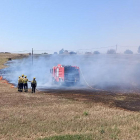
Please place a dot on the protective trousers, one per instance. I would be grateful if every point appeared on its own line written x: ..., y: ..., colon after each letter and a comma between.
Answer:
x: 33, y: 88
x: 20, y: 87
x: 25, y: 87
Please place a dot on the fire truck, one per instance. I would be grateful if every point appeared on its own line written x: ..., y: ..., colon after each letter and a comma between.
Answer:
x: 65, y: 75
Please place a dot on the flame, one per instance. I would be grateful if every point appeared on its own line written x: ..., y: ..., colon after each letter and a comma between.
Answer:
x: 12, y: 86
x: 6, y: 82
x: 1, y: 77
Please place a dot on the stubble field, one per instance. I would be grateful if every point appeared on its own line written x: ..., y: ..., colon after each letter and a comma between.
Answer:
x: 68, y: 114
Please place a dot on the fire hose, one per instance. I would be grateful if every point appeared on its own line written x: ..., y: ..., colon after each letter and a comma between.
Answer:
x: 88, y: 83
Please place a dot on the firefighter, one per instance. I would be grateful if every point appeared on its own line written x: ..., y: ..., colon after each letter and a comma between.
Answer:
x: 19, y: 83
x: 22, y: 79
x: 25, y: 84
x: 33, y: 85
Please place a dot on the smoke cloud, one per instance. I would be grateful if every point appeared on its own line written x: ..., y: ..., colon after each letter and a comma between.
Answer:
x: 98, y: 70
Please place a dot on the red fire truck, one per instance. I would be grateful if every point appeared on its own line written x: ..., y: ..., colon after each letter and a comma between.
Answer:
x: 69, y: 75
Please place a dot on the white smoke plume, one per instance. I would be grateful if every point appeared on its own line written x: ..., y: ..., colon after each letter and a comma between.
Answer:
x: 98, y: 70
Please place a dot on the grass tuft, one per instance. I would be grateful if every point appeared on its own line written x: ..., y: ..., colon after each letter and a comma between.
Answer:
x: 102, y: 131
x: 86, y: 113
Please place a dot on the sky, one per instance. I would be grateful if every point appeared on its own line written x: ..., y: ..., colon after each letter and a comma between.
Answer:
x: 74, y: 25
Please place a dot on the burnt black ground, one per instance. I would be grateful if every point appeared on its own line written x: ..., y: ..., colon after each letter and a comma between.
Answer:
x: 113, y: 97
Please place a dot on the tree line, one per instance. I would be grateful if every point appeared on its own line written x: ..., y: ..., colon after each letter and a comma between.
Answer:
x: 113, y: 51
x: 110, y: 51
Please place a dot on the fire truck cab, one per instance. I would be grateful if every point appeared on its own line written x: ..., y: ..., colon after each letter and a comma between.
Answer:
x: 62, y: 74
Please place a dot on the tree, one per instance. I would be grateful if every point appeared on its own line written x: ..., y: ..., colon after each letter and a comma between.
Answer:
x: 72, y: 52
x: 139, y: 49
x: 96, y: 52
x: 66, y: 52
x: 128, y: 52
x: 55, y: 53
x: 45, y: 53
x: 111, y: 51
x: 61, y: 51
x: 88, y: 53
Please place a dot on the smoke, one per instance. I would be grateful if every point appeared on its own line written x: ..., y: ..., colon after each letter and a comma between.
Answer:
x: 98, y: 70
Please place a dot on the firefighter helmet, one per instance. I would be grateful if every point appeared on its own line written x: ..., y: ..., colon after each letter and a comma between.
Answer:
x: 34, y: 77
x: 25, y: 76
x: 22, y: 75
x: 19, y: 76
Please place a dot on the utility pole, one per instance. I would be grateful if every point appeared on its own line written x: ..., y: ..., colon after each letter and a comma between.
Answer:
x: 32, y: 56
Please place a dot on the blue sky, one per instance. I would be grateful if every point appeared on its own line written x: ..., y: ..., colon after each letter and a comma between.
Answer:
x: 84, y: 25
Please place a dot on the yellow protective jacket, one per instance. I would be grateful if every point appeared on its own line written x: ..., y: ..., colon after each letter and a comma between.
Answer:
x: 34, y: 83
x: 20, y: 80
x: 25, y: 80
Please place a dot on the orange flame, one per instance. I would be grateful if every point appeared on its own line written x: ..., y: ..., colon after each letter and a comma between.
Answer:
x: 1, y: 77
x: 6, y: 82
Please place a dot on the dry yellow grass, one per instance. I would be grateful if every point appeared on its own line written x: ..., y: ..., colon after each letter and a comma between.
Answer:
x: 4, y: 57
x: 32, y: 116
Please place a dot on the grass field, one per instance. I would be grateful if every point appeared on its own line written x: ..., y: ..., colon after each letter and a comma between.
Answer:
x: 45, y: 116
x: 5, y: 56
